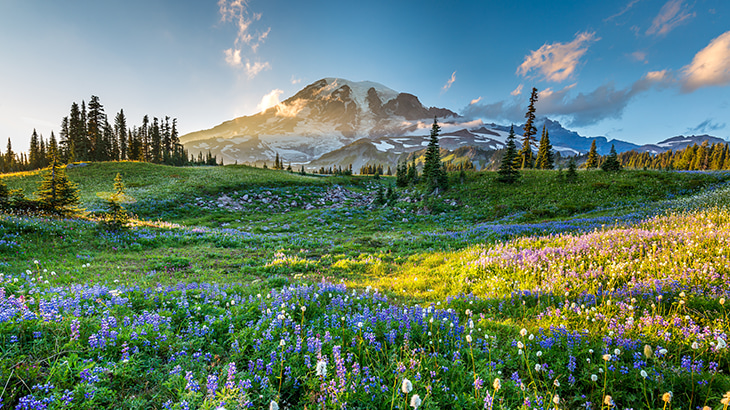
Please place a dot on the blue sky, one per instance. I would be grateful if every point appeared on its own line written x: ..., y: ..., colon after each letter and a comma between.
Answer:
x: 636, y: 70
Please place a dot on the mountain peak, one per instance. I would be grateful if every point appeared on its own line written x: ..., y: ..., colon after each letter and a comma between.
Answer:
x: 324, y: 115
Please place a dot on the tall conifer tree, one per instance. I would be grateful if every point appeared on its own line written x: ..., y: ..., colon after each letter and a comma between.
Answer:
x: 433, y: 173
x: 529, y: 131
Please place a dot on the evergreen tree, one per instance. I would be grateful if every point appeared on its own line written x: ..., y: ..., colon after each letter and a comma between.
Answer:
x: 611, y: 163
x: 525, y: 154
x: 120, y: 130
x: 42, y: 163
x: 592, y: 161
x: 10, y: 161
x: 545, y: 158
x: 34, y: 155
x: 380, y: 198
x: 116, y: 217
x: 508, y: 171
x: 155, y: 142
x: 52, y: 151
x: 95, y: 129
x: 55, y: 192
x: 571, y: 175
x: 4, y: 193
x: 412, y: 174
x: 433, y: 173
x: 64, y: 142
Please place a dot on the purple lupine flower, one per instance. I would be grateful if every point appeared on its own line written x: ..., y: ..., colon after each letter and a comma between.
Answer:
x: 230, y: 381
x: 212, y: 384
x: 192, y: 384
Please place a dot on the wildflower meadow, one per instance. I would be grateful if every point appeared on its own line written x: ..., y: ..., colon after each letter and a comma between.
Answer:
x: 624, y: 305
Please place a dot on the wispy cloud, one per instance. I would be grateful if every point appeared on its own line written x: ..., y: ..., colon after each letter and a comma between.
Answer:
x: 269, y: 100
x: 639, y: 56
x: 557, y: 61
x: 449, y: 83
x: 582, y: 109
x: 252, y: 70
x: 517, y: 91
x: 476, y: 100
x: 295, y: 80
x: 710, y: 66
x: 237, y: 12
x: 707, y: 126
x: 623, y: 11
x: 671, y: 15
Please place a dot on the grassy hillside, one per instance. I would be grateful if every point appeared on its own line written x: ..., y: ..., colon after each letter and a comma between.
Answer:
x: 491, y: 296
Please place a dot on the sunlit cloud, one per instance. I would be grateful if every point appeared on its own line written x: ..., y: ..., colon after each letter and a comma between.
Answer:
x: 671, y: 15
x: 557, y: 61
x: 269, y: 100
x: 237, y: 12
x: 517, y: 91
x: 233, y: 57
x: 710, y: 66
x: 295, y: 80
x: 476, y: 100
x: 449, y: 83
x: 291, y: 109
x: 252, y: 70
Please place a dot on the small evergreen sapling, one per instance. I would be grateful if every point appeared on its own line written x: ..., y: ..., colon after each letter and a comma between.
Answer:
x: 571, y: 175
x: 116, y: 217
x: 56, y: 193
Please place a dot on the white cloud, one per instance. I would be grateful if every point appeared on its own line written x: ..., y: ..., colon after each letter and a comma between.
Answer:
x: 517, y: 91
x: 269, y: 100
x: 237, y: 11
x: 671, y: 15
x: 557, y: 62
x: 295, y: 80
x: 292, y: 109
x: 252, y: 70
x: 710, y: 66
x: 449, y: 83
x: 233, y: 57
x: 476, y: 100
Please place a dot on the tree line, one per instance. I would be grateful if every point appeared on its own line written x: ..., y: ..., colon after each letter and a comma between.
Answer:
x: 703, y: 157
x: 87, y: 135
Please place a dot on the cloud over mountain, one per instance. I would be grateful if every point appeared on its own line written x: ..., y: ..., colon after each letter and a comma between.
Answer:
x: 582, y: 109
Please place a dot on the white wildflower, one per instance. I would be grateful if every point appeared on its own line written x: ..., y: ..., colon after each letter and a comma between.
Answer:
x: 416, y: 401
x: 321, y: 369
x: 406, y: 387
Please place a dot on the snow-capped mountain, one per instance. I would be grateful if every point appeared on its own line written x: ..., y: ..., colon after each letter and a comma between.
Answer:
x: 335, y: 122
x: 324, y: 116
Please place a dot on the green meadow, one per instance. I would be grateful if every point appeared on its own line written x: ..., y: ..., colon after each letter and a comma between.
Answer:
x: 239, y: 287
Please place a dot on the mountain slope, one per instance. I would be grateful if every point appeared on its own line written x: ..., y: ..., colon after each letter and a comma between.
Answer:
x: 324, y: 116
